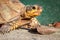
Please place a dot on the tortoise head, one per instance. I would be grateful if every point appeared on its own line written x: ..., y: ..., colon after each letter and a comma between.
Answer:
x: 32, y: 11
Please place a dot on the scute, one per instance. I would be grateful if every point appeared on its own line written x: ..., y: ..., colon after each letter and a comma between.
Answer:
x: 10, y: 10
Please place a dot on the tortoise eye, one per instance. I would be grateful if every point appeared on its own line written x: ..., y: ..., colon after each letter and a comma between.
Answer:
x: 33, y: 7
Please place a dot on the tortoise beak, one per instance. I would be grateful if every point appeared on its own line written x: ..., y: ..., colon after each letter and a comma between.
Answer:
x: 40, y: 8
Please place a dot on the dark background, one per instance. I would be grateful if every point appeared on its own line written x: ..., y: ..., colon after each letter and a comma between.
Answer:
x: 51, y: 10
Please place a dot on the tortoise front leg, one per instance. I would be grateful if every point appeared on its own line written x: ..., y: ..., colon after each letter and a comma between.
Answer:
x: 18, y: 24
x: 32, y: 24
x: 13, y: 25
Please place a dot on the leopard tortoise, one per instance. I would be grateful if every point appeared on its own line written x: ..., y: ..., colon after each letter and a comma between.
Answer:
x: 14, y: 14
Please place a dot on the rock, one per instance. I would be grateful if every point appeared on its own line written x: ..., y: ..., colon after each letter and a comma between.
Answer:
x: 56, y: 25
x: 46, y: 30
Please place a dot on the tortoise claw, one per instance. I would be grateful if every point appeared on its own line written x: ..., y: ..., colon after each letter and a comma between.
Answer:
x: 5, y: 28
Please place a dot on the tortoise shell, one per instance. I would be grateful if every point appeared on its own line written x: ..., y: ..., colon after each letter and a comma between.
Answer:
x: 10, y: 10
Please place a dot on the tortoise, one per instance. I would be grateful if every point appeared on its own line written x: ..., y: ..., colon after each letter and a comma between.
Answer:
x: 14, y: 14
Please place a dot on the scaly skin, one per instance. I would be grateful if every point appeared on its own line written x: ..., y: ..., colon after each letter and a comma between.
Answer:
x: 18, y: 23
x: 31, y: 24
